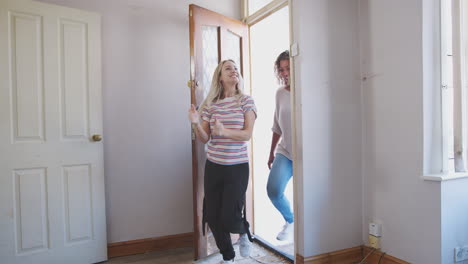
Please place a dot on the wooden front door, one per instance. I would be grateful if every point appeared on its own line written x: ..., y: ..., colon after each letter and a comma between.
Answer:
x: 213, y: 38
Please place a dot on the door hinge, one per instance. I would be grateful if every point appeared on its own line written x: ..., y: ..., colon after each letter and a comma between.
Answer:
x: 190, y: 13
x: 193, y: 131
x: 294, y: 49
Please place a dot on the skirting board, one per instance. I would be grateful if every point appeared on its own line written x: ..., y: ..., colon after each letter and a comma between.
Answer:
x: 376, y: 255
x: 351, y: 255
x: 139, y: 246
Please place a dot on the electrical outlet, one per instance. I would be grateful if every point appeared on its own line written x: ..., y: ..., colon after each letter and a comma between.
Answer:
x: 461, y: 253
x: 375, y: 229
x: 374, y: 241
x: 458, y: 254
x: 465, y: 252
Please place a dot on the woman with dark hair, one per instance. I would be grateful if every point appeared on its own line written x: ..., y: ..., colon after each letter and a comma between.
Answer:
x: 226, y: 124
x: 280, y: 160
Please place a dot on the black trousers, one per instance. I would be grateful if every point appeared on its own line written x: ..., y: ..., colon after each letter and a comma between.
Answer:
x: 225, y: 187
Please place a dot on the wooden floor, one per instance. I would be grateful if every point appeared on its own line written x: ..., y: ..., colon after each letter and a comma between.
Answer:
x: 286, y: 248
x: 174, y: 256
x: 185, y: 256
x: 259, y: 254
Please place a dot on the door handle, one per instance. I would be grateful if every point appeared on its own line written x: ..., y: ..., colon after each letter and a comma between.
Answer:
x: 96, y: 138
x: 189, y: 84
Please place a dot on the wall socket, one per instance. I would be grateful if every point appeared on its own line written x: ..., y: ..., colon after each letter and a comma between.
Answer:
x: 374, y: 242
x: 461, y: 253
x: 375, y: 229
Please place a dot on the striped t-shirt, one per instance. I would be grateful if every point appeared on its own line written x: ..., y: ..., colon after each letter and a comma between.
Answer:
x: 230, y: 112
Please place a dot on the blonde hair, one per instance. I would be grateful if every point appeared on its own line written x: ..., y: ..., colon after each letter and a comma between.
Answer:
x: 217, y: 89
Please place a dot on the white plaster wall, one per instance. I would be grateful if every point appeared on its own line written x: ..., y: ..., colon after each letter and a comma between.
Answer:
x: 453, y: 193
x: 394, y: 194
x: 328, y: 97
x: 454, y: 218
x: 145, y: 50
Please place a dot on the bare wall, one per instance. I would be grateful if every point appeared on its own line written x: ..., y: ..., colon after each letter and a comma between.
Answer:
x: 328, y: 98
x: 393, y: 192
x: 145, y: 49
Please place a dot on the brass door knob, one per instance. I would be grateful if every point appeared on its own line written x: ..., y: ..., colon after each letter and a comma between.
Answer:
x: 189, y: 84
x: 96, y: 138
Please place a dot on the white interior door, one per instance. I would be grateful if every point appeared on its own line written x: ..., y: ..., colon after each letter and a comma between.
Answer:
x: 52, y: 203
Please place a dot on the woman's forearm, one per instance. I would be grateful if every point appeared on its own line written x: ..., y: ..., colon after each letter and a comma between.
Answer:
x: 201, y: 133
x: 274, y: 142
x: 240, y: 135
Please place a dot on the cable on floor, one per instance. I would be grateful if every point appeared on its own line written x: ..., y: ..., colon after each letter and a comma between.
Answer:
x: 362, y: 261
x: 381, y: 257
x: 261, y: 262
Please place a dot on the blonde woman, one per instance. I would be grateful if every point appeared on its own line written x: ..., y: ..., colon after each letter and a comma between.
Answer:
x: 226, y: 124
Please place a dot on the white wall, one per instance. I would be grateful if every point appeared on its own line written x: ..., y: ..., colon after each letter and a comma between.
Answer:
x: 454, y: 201
x: 454, y: 217
x: 328, y: 98
x: 145, y: 47
x: 394, y: 194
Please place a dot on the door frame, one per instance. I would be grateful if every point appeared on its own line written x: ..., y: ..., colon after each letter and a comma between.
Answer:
x: 250, y: 20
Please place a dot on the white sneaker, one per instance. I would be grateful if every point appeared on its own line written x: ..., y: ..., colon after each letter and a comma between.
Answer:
x: 287, y: 233
x: 244, y: 245
x: 229, y: 261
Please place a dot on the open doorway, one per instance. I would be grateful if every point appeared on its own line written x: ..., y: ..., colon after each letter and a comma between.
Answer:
x: 268, y: 38
x: 269, y: 28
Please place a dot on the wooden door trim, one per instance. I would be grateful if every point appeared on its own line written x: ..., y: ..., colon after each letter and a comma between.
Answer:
x: 196, y: 217
x: 141, y: 246
x: 350, y: 255
x: 264, y: 12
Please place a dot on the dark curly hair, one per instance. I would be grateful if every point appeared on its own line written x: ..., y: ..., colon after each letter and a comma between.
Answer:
x: 283, y: 56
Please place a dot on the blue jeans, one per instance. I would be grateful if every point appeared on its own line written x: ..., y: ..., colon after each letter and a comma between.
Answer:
x: 280, y: 174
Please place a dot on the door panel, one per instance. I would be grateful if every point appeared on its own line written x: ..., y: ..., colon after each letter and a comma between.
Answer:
x: 31, y: 209
x: 73, y: 80
x: 52, y: 203
x: 27, y: 74
x: 232, y: 46
x: 209, y: 58
x: 213, y: 38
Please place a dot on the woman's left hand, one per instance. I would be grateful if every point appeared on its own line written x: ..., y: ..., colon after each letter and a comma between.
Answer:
x: 193, y: 115
x: 218, y: 128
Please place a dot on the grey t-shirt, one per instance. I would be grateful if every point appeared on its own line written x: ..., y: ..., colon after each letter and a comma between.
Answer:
x: 282, y: 122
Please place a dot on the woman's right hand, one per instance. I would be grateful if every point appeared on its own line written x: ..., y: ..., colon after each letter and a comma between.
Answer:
x: 270, y: 161
x: 193, y: 115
